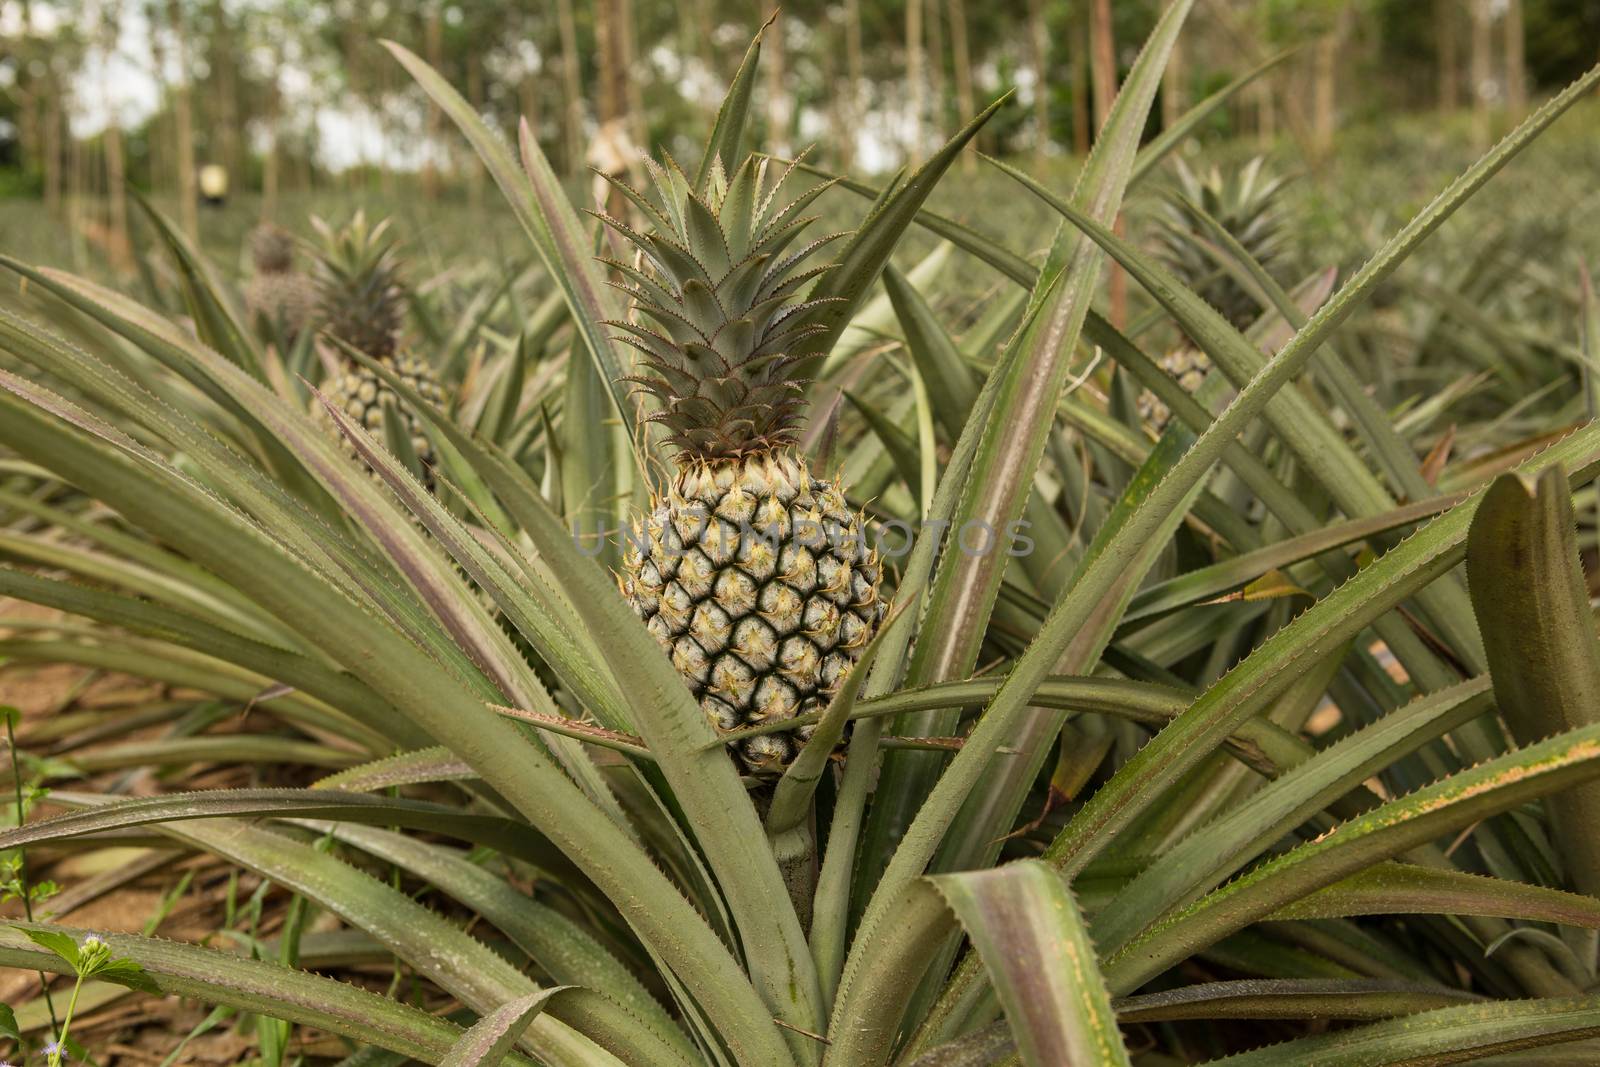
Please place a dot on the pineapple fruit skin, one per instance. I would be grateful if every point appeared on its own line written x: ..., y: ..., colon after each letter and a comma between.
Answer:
x: 1189, y: 366
x: 360, y: 394
x: 754, y: 576
x: 283, y: 297
x: 276, y: 292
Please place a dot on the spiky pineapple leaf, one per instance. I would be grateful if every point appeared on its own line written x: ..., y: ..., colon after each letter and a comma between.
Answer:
x: 218, y: 320
x: 845, y: 287
x: 213, y: 977
x: 1411, y: 565
x: 1394, y: 888
x: 563, y: 948
x: 728, y: 132
x: 1213, y: 852
x: 1294, y: 418
x: 1291, y: 998
x: 541, y: 206
x: 1445, y: 1035
x: 703, y: 779
x: 1030, y: 935
x: 492, y: 1037
x: 1160, y: 146
x: 338, y: 689
x: 414, y: 767
x: 1532, y: 603
x: 436, y: 947
x: 490, y: 831
x: 66, y: 439
x: 965, y: 586
x: 1451, y: 804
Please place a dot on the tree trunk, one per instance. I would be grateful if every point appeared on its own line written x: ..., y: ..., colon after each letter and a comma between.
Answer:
x: 227, y: 92
x: 613, y: 60
x: 1324, y: 114
x: 1482, y: 73
x: 183, y: 117
x: 1078, y: 46
x: 1446, y: 30
x: 632, y: 84
x: 1039, y: 60
x: 613, y: 97
x: 350, y: 43
x: 1102, y: 60
x: 273, y: 114
x: 1174, y: 87
x: 1103, y: 68
x: 528, y: 101
x: 51, y: 142
x: 854, y: 75
x: 474, y: 173
x: 1516, y: 61
x: 75, y: 182
x: 961, y: 54
x: 938, y: 101
x: 433, y: 45
x: 571, y: 89
x: 116, y: 171
x: 916, y: 90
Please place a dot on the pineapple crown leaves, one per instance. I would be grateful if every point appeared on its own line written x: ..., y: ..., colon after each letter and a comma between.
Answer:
x: 717, y: 286
x: 359, y: 289
x: 1246, y: 202
x: 271, y: 249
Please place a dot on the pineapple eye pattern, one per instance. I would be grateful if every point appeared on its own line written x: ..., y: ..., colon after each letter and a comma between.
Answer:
x: 770, y: 632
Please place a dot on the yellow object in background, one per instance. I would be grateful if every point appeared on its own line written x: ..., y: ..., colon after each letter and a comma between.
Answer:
x: 213, y: 183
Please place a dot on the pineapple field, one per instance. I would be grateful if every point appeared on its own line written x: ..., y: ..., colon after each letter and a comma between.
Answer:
x: 877, y: 534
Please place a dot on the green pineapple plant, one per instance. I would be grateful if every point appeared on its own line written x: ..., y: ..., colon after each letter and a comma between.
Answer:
x: 1248, y: 203
x: 361, y: 302
x: 628, y: 889
x: 751, y: 571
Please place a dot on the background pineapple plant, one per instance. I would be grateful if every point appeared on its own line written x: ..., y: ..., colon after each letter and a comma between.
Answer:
x: 1084, y: 802
x: 283, y: 297
x: 751, y: 571
x: 362, y: 304
x: 1247, y: 202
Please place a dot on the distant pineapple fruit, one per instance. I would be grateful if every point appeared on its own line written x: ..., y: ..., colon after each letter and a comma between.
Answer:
x: 1246, y: 202
x: 362, y: 304
x: 279, y: 295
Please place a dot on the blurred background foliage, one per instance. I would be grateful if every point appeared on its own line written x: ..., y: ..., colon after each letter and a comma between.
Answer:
x: 298, y: 105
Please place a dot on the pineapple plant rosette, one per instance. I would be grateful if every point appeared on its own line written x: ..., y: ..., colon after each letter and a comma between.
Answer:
x: 587, y: 879
x: 362, y: 304
x: 277, y: 293
x: 751, y: 571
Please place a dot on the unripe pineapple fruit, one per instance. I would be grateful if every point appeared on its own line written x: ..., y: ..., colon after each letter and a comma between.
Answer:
x: 362, y: 305
x: 361, y: 394
x: 750, y: 570
x: 276, y: 292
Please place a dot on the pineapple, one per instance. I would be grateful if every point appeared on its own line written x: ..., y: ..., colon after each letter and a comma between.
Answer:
x: 750, y: 569
x: 361, y: 304
x: 1247, y: 204
x: 277, y: 293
